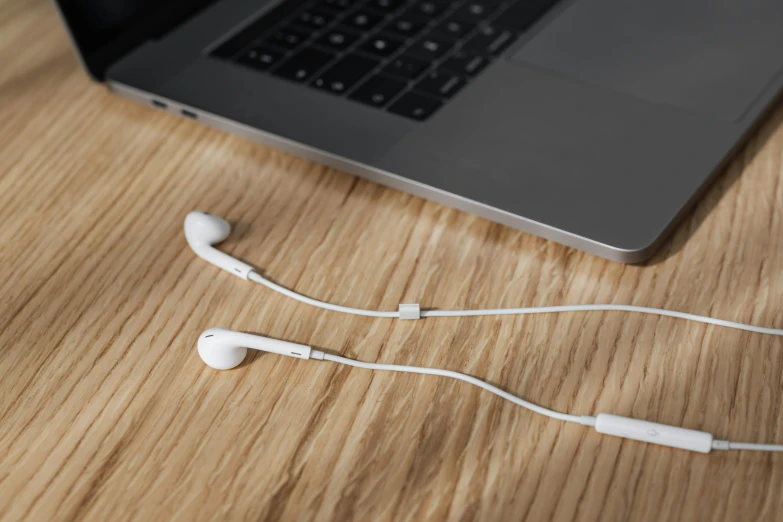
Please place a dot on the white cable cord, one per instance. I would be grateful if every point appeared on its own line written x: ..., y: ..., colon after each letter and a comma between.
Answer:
x: 585, y: 420
x: 624, y: 427
x: 253, y: 276
x: 608, y: 424
x: 728, y: 445
x: 605, y: 308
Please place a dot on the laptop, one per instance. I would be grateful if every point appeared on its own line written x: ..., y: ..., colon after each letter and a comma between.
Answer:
x: 593, y: 123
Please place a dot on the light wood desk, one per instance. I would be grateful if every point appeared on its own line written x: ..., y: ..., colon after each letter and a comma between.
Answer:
x: 107, y: 412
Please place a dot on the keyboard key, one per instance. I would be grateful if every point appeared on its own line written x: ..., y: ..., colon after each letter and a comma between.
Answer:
x: 287, y: 38
x: 522, y: 15
x: 345, y: 74
x: 378, y: 90
x: 428, y: 48
x: 406, y: 67
x: 257, y: 29
x: 338, y: 39
x: 405, y: 26
x: 381, y: 45
x: 476, y: 11
x: 465, y: 63
x: 335, y: 5
x: 362, y: 20
x: 428, y: 8
x: 414, y: 106
x: 261, y: 58
x: 314, y: 18
x: 489, y: 40
x: 385, y: 6
x: 452, y: 28
x: 303, y: 65
x: 440, y: 84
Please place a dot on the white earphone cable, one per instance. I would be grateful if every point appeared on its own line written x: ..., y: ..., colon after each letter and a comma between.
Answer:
x: 585, y: 420
x: 221, y: 348
x: 605, y: 308
x: 748, y: 446
x: 253, y: 276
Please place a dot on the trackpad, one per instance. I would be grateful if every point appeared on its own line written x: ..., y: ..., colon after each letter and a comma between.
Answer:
x: 714, y: 57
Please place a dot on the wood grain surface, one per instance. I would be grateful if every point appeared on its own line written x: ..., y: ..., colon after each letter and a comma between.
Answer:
x: 107, y: 412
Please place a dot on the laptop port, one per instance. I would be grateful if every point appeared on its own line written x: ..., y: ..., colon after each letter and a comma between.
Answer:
x: 159, y: 104
x: 189, y: 114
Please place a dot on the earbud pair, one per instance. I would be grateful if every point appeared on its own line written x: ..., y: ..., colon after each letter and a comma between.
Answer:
x: 224, y: 349
x: 220, y: 348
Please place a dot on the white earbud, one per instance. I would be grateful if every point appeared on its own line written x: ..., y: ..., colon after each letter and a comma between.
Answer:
x: 203, y: 230
x: 224, y: 349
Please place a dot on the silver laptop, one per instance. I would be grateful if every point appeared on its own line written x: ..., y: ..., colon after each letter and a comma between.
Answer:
x: 594, y: 123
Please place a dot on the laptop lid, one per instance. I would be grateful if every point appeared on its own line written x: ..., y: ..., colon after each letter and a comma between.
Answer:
x: 105, y: 30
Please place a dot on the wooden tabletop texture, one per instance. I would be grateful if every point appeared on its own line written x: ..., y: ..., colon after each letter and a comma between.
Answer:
x: 107, y: 412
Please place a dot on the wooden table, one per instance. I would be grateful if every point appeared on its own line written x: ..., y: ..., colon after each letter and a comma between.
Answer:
x: 107, y: 412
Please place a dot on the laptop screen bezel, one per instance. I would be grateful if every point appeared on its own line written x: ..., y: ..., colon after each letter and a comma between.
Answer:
x: 151, y: 20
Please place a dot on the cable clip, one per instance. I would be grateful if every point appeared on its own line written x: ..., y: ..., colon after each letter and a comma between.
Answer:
x: 410, y: 311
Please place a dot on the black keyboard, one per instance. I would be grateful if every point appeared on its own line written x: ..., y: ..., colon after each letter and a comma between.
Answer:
x: 408, y: 57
